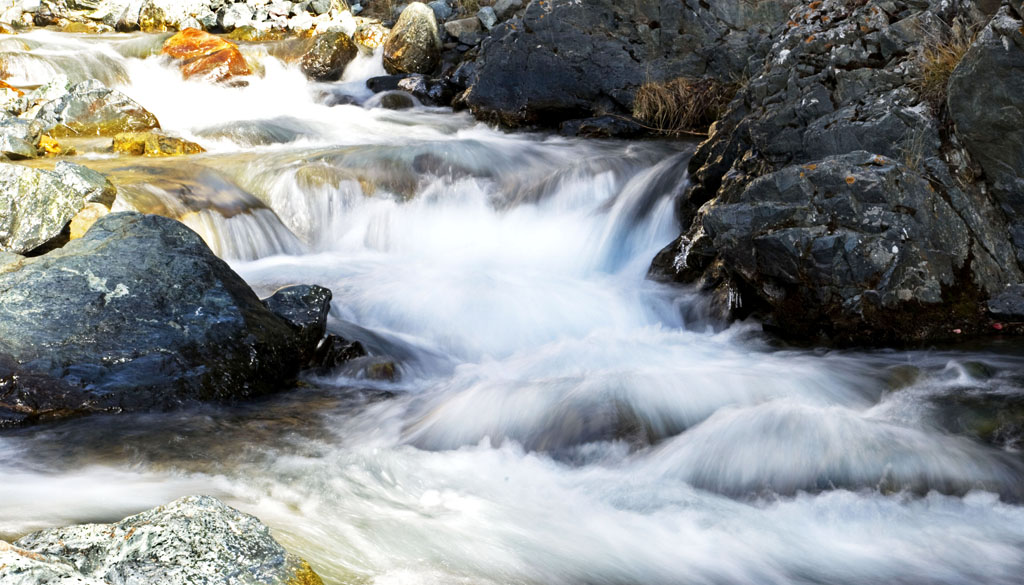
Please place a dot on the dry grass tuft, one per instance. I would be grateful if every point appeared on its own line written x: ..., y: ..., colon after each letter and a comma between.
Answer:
x: 937, y: 59
x: 682, y: 105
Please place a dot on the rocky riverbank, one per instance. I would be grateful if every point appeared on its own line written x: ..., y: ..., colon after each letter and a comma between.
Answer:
x: 858, y: 189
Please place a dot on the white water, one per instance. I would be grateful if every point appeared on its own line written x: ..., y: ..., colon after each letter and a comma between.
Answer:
x: 559, y: 419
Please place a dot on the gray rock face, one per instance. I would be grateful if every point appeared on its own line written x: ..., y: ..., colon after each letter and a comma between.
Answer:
x: 327, y: 58
x: 986, y: 102
x: 36, y: 204
x: 19, y: 138
x: 567, y: 59
x: 90, y: 109
x: 829, y: 201
x: 414, y: 45
x: 138, y: 315
x: 196, y: 540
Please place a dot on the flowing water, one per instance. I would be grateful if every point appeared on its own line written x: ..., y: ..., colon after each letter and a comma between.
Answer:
x: 556, y: 418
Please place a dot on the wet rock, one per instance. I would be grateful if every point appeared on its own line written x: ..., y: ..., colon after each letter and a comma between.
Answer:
x: 414, y: 45
x: 140, y: 315
x: 194, y: 540
x: 603, y: 127
x: 90, y: 109
x: 370, y: 35
x: 153, y: 144
x: 305, y: 309
x: 566, y: 59
x: 829, y: 201
x: 384, y: 83
x: 327, y: 58
x: 431, y: 92
x: 36, y: 205
x: 200, y: 54
x: 394, y: 100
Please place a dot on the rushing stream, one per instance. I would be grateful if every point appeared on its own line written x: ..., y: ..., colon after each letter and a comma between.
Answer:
x: 557, y: 418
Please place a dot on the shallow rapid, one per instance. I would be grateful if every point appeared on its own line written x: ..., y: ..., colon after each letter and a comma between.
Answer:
x: 556, y: 418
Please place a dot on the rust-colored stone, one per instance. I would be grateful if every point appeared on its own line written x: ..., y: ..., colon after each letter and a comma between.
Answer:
x: 201, y: 54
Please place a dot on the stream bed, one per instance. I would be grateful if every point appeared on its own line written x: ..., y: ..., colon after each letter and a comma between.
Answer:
x: 554, y: 417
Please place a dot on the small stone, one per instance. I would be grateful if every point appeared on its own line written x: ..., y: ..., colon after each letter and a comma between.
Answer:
x: 442, y: 11
x: 414, y: 45
x: 201, y: 54
x: 84, y: 219
x: 487, y: 17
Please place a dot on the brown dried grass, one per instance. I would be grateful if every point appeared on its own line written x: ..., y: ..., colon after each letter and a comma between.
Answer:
x: 682, y: 105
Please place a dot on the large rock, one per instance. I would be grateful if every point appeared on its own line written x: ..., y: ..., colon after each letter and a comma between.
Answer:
x: 196, y: 540
x: 830, y: 202
x: 36, y: 204
x: 986, y: 102
x: 414, y: 45
x: 327, y: 58
x: 200, y: 54
x: 91, y: 109
x: 139, y: 314
x: 567, y: 59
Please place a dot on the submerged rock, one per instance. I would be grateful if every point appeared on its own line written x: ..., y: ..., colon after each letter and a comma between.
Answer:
x: 414, y: 45
x: 139, y: 314
x: 200, y: 54
x: 154, y: 144
x: 327, y: 58
x: 196, y: 540
x: 91, y: 109
x: 36, y: 204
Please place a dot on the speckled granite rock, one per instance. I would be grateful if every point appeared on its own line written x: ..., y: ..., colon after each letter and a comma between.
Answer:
x: 196, y: 540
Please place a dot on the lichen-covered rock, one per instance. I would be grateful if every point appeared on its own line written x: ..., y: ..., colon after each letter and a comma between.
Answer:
x: 139, y: 315
x: 196, y: 540
x: 327, y: 58
x: 91, y: 109
x: 200, y: 54
x: 36, y: 204
x: 566, y: 59
x: 154, y: 144
x: 831, y: 201
x: 19, y: 138
x: 414, y: 45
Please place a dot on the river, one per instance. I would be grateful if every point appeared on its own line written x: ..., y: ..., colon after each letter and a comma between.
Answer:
x: 556, y: 418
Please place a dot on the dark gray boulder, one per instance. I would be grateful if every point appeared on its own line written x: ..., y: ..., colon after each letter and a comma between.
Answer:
x: 196, y: 540
x: 139, y: 314
x: 832, y: 201
x: 327, y: 58
x: 567, y: 59
x: 986, y: 102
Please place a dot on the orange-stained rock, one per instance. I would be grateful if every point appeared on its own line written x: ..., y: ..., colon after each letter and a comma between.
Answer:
x: 204, y: 55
